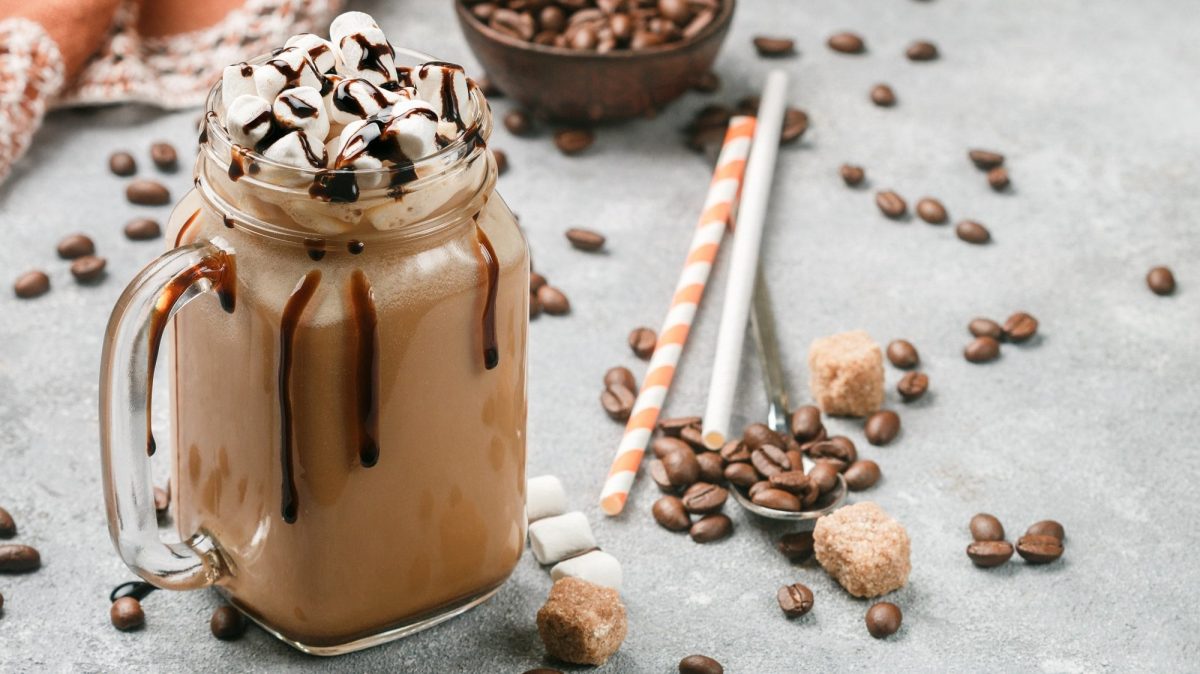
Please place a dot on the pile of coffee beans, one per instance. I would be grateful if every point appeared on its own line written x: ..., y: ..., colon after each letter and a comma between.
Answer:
x: 597, y: 25
x: 1041, y: 544
x: 545, y: 298
x: 1020, y: 327
x: 690, y: 476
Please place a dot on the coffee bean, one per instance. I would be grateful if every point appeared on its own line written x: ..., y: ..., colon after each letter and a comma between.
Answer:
x: 142, y: 229
x: 972, y: 232
x: 792, y: 481
x: 618, y: 402
x: 620, y: 375
x: 985, y: 527
x: 883, y: 96
x: 825, y: 475
x: 514, y: 24
x: 797, y: 546
x: 777, y: 499
x: 518, y: 123
x: 706, y: 83
x: 795, y: 123
x: 741, y: 475
x: 838, y: 453
x: 227, y: 623
x: 1161, y: 281
x: 126, y: 614
x: 488, y: 87
x: 882, y: 427
x: 774, y: 46
x: 670, y: 514
x: 682, y: 468
x: 862, y: 474
x: 806, y: 423
x: 711, y: 528
x: 902, y: 354
x: 642, y: 342
x: 987, y: 554
x: 164, y: 156
x: 88, y: 269
x: 985, y: 159
x: 700, y: 664
x: 659, y: 475
x: 921, y: 51
x: 846, y: 43
x: 998, y: 178
x: 1039, y: 549
x: 758, y: 434
x: 665, y: 445
x: 8, y: 526
x: 756, y: 488
x: 122, y: 163
x: 735, y: 451
x: 1047, y: 528
x: 585, y: 239
x: 677, y: 11
x: 535, y: 306
x: 536, y: 281
x: 883, y: 619
x: 891, y: 204
x: 982, y: 350
x: 674, y: 425
x: 147, y: 193
x: 712, y: 467
x: 31, y: 284
x: 985, y: 327
x: 931, y: 210
x: 501, y: 159
x: 573, y: 141
x: 16, y: 558
x: 554, y: 302
x: 703, y: 498
x: 1020, y: 326
x: 693, y: 437
x: 794, y: 600
x: 769, y: 460
x: 852, y: 175
x: 75, y: 245
x: 912, y: 386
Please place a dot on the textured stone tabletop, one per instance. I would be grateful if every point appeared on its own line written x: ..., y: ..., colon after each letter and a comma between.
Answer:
x: 1093, y: 423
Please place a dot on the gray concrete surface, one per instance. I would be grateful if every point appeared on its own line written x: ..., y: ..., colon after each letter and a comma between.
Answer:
x: 1094, y: 102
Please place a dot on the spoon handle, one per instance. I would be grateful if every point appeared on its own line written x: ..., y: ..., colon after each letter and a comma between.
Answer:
x: 762, y: 321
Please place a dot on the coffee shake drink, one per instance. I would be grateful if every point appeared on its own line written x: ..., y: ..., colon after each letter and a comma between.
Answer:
x: 348, y: 420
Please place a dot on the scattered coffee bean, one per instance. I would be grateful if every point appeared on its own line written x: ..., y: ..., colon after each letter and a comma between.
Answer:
x: 617, y: 402
x: 777, y: 499
x: 758, y: 434
x: 921, y: 51
x: 122, y: 164
x: 670, y: 514
x: 501, y: 159
x: 142, y: 229
x: 741, y: 475
x: 642, y: 341
x: 712, y: 467
x: 883, y: 96
x: 931, y: 210
x: 982, y: 350
x: 1039, y: 549
x: 711, y: 528
x: 825, y: 475
x: 703, y: 498
x: 1161, y: 281
x: 972, y: 232
x: 8, y: 526
x: 674, y: 425
x: 518, y: 123
x: 536, y: 281
x: 31, y: 284
x: 147, y: 192
x: 1020, y: 327
x: 806, y: 423
x: 573, y: 141
x: 585, y: 239
x: 227, y: 623
x: 554, y: 302
x: 985, y: 159
x: 902, y: 354
x: 700, y: 664
x: 16, y: 558
x: 126, y: 614
x: 665, y: 445
x: 1047, y: 528
x: 912, y: 386
x: 987, y: 554
x: 774, y: 46
x: 682, y: 468
x: 862, y: 474
x: 882, y: 427
x: 488, y: 87
x: 891, y: 204
x: 797, y: 546
x: 88, y: 269
x: 75, y: 245
x: 706, y: 83
x: 847, y: 43
x: 622, y: 376
x: 794, y: 600
x: 883, y: 619
x: 164, y: 156
x: 998, y: 178
x: 795, y: 123
x: 985, y: 527
x: 852, y: 175
x: 985, y: 327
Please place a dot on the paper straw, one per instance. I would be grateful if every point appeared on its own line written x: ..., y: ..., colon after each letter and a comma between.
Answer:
x: 722, y: 192
x: 747, y: 240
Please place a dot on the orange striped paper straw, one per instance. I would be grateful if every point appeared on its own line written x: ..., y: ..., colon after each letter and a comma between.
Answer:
x: 722, y: 192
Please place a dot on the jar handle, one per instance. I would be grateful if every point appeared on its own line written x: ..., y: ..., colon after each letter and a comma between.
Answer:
x: 131, y: 346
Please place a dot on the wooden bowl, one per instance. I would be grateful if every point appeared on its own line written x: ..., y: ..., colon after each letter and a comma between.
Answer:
x: 586, y: 86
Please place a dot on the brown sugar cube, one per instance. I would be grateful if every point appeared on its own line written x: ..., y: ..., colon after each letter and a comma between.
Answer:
x: 846, y: 374
x: 864, y: 549
x: 582, y: 623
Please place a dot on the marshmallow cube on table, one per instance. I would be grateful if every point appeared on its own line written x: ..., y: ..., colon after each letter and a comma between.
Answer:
x: 596, y: 567
x: 544, y: 497
x: 554, y: 539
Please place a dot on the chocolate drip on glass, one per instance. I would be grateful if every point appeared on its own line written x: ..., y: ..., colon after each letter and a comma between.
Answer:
x: 290, y: 321
x: 366, y: 371
x: 315, y: 248
x: 487, y: 254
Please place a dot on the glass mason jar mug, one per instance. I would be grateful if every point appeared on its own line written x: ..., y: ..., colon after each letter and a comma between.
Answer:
x: 348, y: 412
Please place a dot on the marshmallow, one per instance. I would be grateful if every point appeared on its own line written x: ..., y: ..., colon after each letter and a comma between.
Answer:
x: 248, y: 120
x: 289, y: 68
x: 596, y: 567
x: 444, y: 87
x: 237, y: 80
x: 411, y: 133
x: 556, y: 538
x: 356, y: 98
x: 301, y: 108
x: 544, y: 497
x: 362, y: 49
x: 297, y: 149
x: 324, y: 218
x: 319, y: 51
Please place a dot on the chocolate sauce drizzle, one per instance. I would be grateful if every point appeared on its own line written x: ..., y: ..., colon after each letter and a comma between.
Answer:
x: 345, y: 101
x: 487, y: 254
x: 289, y: 322
x: 372, y: 54
x: 366, y: 320
x: 355, y: 247
x: 298, y: 106
x: 450, y: 109
x: 339, y: 184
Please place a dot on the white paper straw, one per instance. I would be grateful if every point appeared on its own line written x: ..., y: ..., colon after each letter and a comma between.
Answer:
x: 747, y: 241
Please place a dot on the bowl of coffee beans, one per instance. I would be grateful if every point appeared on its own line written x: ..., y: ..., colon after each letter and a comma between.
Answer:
x: 594, y: 60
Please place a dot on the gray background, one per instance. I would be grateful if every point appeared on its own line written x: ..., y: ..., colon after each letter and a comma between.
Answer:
x: 1093, y: 423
